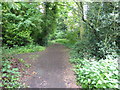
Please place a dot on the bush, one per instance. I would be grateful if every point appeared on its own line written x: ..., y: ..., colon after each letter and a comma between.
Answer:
x: 81, y: 49
x: 72, y: 36
x: 58, y: 35
x: 87, y: 49
x: 16, y: 28
x: 97, y: 74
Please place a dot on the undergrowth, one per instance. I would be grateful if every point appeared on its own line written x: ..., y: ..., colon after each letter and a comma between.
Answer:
x: 12, y: 68
x: 22, y: 49
x: 64, y: 42
x: 10, y: 75
x: 91, y: 73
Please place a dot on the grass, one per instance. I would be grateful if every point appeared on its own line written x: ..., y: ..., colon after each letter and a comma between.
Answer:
x: 61, y: 41
x: 65, y: 42
x: 22, y: 49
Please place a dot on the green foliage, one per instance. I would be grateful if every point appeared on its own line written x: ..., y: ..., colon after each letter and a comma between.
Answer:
x: 61, y: 41
x: 72, y: 36
x: 95, y: 36
x: 23, y: 49
x: 25, y: 23
x: 21, y: 60
x: 16, y: 24
x: 10, y: 75
x: 102, y: 28
x: 48, y: 24
x: 97, y: 74
x: 57, y: 35
x: 64, y: 42
x: 100, y: 34
x: 81, y: 49
x: 95, y: 55
x: 27, y: 65
x: 86, y: 49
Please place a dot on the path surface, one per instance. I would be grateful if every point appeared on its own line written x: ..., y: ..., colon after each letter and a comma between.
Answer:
x: 49, y: 68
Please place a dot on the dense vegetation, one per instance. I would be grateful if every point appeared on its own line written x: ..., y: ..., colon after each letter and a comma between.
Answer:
x: 89, y: 29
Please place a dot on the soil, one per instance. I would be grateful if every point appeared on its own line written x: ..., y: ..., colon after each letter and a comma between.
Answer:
x: 49, y: 69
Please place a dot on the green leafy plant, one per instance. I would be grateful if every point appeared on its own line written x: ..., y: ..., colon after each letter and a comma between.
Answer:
x: 97, y: 74
x: 28, y: 65
x: 10, y: 75
x: 21, y: 60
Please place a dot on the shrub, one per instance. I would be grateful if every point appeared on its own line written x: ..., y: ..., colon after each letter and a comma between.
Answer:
x: 87, y: 49
x: 81, y: 49
x: 97, y: 74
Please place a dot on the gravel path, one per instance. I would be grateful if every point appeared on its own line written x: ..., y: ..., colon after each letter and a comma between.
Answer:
x: 49, y: 68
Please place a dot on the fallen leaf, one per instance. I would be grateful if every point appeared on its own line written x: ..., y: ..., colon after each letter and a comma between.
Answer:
x: 34, y: 72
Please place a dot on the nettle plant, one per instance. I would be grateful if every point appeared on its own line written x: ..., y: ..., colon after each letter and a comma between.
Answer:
x: 97, y: 74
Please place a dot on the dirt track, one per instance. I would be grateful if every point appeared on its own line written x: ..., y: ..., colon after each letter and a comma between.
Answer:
x: 49, y: 68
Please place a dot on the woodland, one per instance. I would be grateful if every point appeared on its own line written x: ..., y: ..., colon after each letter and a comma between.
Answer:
x: 89, y: 29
